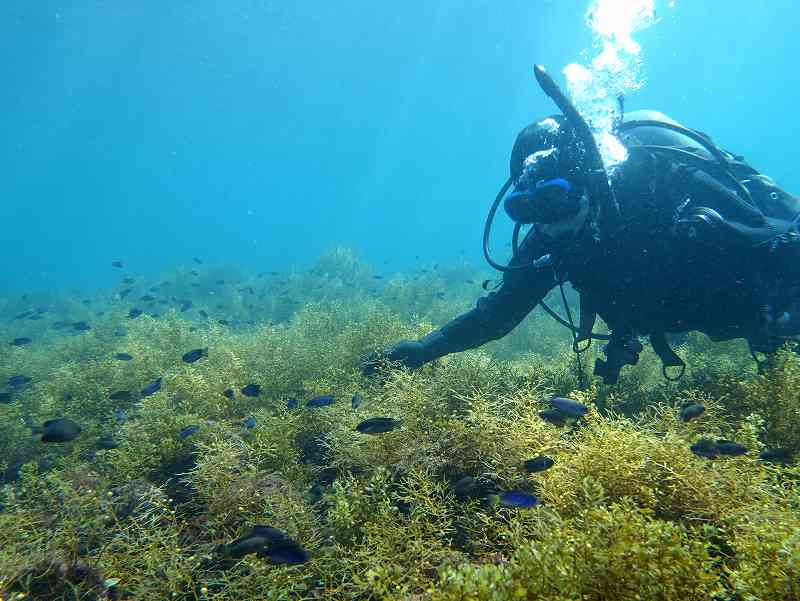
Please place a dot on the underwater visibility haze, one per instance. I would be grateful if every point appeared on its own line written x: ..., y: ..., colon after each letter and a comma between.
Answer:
x: 251, y: 346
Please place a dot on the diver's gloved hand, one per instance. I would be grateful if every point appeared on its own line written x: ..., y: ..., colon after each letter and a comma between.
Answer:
x: 409, y: 353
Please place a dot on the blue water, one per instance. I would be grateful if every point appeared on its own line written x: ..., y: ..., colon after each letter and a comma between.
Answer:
x: 260, y: 133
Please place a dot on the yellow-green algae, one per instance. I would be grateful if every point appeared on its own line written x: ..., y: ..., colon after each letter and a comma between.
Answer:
x: 628, y: 512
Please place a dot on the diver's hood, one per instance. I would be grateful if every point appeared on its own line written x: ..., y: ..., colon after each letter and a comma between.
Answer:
x: 548, y: 133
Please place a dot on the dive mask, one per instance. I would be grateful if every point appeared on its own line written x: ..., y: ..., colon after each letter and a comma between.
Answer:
x: 540, y: 195
x: 546, y: 201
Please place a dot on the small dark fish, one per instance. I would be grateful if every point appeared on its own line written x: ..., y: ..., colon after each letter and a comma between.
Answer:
x: 291, y: 404
x: 228, y: 393
x: 776, y: 455
x: 320, y: 401
x: 66, y: 397
x: 196, y: 260
x: 134, y: 313
x: 259, y: 540
x: 117, y: 264
x: 539, y: 464
x: 120, y: 395
x: 220, y: 282
x: 195, y: 355
x: 124, y: 293
x: 485, y: 284
x: 194, y: 273
x: 254, y: 541
x: 152, y: 388
x: 289, y: 554
x: 21, y: 341
x: 223, y: 322
x: 244, y: 546
x: 123, y: 357
x: 569, y: 407
x: 274, y: 273
x: 730, y: 448
x: 128, y: 280
x: 705, y: 448
x: 147, y: 298
x: 692, y: 411
x: 377, y: 425
x: 107, y: 442
x: 249, y: 423
x: 269, y: 543
x: 273, y: 535
x: 518, y: 499
x: 81, y: 326
x: 251, y: 390
x: 5, y: 398
x: 355, y: 402
x: 62, y: 429
x: 185, y: 306
x: 377, y: 277
x: 86, y: 301
x: 202, y: 314
x: 188, y: 431
x: 553, y: 416
x: 18, y: 381
x: 24, y: 314
x: 465, y: 487
x: 119, y: 415
x: 153, y: 289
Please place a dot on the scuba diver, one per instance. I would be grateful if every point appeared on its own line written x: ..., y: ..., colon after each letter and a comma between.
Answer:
x: 681, y: 236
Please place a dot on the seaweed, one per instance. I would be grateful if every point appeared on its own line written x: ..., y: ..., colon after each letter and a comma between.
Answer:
x: 627, y: 510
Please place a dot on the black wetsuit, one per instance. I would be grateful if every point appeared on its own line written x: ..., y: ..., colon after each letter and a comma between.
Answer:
x: 651, y: 277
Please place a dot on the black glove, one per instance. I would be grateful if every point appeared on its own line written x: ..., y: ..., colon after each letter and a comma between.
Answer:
x: 409, y: 353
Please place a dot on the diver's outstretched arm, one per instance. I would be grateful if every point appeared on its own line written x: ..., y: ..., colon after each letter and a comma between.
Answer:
x: 493, y: 317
